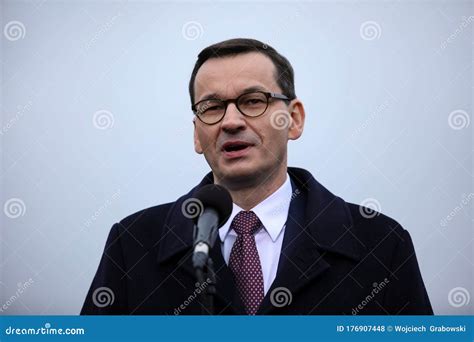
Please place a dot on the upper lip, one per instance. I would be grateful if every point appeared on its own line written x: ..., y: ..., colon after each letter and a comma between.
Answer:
x: 235, y: 143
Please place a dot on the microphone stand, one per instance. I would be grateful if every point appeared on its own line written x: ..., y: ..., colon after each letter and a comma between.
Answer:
x: 203, y: 265
x: 207, y: 276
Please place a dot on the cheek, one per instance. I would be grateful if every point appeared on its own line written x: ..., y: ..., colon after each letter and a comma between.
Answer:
x: 207, y: 140
x: 274, y: 139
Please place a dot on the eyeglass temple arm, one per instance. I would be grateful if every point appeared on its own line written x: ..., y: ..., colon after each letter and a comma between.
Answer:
x: 279, y: 96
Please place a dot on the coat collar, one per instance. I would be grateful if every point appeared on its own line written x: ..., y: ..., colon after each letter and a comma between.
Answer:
x: 318, y: 223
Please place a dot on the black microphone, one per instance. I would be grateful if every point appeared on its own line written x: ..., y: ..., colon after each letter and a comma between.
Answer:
x: 216, y: 209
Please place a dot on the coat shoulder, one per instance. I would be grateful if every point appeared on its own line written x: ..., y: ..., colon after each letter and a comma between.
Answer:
x: 143, y: 224
x: 374, y: 228
x: 147, y: 215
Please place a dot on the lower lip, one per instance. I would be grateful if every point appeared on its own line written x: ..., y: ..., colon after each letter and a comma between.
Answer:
x: 236, y: 154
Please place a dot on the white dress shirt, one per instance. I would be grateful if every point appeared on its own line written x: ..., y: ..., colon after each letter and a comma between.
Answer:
x: 273, y: 213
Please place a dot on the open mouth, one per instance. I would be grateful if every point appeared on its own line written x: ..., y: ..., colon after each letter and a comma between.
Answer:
x: 235, y: 148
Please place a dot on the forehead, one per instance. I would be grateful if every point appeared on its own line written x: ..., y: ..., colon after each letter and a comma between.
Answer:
x: 229, y: 76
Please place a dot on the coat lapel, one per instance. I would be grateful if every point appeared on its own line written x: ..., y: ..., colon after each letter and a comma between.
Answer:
x: 318, y: 223
x: 177, y: 244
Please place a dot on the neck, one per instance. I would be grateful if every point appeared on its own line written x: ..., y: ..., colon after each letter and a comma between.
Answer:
x: 249, y: 195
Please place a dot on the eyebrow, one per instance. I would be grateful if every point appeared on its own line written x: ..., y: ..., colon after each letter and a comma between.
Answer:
x: 246, y: 90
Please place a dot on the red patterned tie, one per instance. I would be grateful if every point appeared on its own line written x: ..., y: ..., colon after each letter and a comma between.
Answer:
x: 245, y: 262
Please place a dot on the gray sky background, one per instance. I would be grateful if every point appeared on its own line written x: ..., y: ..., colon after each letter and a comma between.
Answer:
x: 96, y: 124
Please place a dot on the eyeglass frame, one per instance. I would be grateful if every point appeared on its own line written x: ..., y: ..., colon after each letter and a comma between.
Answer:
x: 268, y: 95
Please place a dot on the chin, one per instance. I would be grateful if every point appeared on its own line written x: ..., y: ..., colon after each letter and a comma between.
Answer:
x: 238, y: 175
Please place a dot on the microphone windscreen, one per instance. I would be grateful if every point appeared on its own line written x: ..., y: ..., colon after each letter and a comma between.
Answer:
x: 218, y: 198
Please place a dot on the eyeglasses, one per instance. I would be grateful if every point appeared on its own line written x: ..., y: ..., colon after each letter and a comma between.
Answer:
x: 251, y: 104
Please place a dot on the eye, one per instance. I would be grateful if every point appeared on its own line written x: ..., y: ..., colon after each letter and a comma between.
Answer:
x: 209, y: 107
x: 254, y: 100
x: 216, y: 107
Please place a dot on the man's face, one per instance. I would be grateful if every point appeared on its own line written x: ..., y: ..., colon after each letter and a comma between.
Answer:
x: 241, y: 149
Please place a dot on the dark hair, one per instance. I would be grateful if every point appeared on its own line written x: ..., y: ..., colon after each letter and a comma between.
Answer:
x: 284, y: 74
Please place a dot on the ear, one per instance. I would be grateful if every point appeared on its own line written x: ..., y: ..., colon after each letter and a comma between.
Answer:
x: 297, y: 119
x: 197, y: 143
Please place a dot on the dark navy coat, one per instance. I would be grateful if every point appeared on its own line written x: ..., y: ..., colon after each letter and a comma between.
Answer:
x: 335, y: 260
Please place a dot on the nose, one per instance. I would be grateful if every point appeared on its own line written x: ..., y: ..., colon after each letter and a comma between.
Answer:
x: 233, y: 119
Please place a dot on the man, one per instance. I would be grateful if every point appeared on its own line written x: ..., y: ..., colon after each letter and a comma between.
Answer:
x: 289, y: 247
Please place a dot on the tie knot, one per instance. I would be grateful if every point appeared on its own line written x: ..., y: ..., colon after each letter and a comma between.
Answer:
x: 246, y: 223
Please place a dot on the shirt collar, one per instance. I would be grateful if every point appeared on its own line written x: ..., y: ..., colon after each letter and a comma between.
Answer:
x: 272, y: 212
